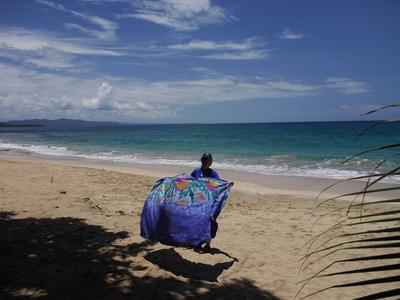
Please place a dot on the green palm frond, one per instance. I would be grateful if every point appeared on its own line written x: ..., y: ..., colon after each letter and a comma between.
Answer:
x: 379, y: 123
x: 381, y: 108
x: 363, y: 247
x: 385, y: 147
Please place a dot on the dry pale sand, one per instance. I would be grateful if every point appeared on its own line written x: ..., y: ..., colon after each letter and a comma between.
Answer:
x: 69, y: 232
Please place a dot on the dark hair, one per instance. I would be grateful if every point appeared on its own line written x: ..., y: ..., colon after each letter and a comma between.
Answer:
x: 206, y: 157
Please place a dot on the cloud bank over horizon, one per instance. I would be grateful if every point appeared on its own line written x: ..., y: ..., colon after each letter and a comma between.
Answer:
x: 160, y: 61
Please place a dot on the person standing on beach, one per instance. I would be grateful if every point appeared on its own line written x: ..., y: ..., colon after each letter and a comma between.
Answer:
x: 206, y: 171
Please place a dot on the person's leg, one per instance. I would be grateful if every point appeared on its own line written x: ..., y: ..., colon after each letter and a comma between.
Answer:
x: 214, y: 228
x: 207, y: 246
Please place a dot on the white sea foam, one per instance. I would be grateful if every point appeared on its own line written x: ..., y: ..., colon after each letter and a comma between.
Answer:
x: 275, y: 165
x: 39, y: 149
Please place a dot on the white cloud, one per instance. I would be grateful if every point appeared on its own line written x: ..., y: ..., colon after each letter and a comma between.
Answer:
x: 20, y: 39
x: 108, y: 1
x: 52, y: 4
x: 103, y: 99
x: 250, y: 48
x: 180, y: 15
x: 209, y: 45
x: 47, y: 50
x: 242, y: 55
x: 347, y: 85
x: 50, y: 59
x: 154, y: 111
x: 105, y: 35
x: 288, y: 34
x: 108, y: 27
x: 106, y: 101
x: 247, y: 44
x: 29, y: 93
x: 45, y: 58
x: 215, y: 88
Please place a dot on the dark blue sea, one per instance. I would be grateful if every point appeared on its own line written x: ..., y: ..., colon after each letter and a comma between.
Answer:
x: 315, y: 149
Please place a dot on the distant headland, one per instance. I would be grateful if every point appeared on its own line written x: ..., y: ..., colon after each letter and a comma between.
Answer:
x: 58, y: 123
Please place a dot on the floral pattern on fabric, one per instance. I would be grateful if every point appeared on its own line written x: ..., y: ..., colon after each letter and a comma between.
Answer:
x: 178, y: 209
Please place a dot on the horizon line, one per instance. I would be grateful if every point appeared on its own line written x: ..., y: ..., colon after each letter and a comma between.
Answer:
x: 190, y: 123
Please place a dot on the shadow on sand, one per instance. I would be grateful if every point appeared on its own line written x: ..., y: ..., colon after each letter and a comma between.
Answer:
x: 170, y: 260
x: 66, y: 258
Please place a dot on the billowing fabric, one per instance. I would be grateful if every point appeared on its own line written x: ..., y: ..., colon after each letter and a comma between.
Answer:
x: 178, y: 209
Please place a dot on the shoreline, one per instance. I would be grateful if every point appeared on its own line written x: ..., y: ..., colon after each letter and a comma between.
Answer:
x: 245, y: 182
x: 282, y: 165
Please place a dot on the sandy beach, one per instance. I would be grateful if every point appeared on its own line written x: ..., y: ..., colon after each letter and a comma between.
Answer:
x: 286, y: 113
x: 70, y: 230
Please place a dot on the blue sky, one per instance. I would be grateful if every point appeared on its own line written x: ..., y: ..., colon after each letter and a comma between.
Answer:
x: 146, y: 61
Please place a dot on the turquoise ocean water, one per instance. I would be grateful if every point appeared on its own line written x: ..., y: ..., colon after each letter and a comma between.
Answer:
x: 314, y: 149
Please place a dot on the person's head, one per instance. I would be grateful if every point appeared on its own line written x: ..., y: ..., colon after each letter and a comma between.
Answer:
x: 206, y: 160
